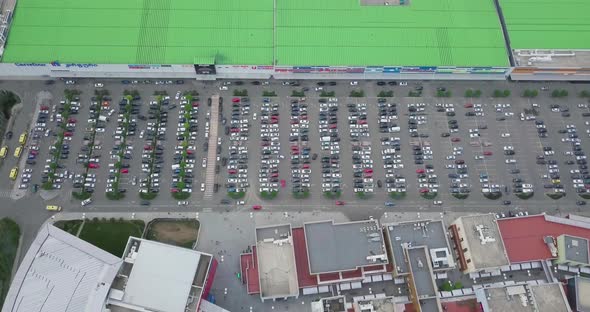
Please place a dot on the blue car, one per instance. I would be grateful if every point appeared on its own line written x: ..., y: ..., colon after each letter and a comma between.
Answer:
x: 389, y: 204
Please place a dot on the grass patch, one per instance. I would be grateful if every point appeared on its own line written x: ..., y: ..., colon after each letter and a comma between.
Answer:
x: 298, y: 93
x: 181, y: 195
x: 501, y: 93
x: 397, y: 195
x: 413, y: 93
x: 182, y: 233
x: 70, y: 226
x: 332, y: 195
x: 555, y: 196
x: 269, y: 195
x: 236, y: 195
x: 429, y: 195
x: 524, y: 195
x: 268, y: 93
x: 301, y: 195
x: 584, y: 196
x: 357, y: 93
x: 115, y: 195
x: 492, y: 196
x: 460, y: 196
x: 242, y: 92
x: 9, y: 236
x: 440, y: 93
x: 148, y: 195
x: 530, y: 93
x: 559, y: 93
x: 81, y: 195
x: 383, y: 94
x: 111, y: 235
x: 327, y: 94
x: 470, y: 93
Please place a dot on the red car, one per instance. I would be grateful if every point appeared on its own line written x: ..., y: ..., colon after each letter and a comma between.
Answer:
x: 274, y: 175
x: 294, y: 147
x: 93, y: 165
x: 459, y: 161
x: 72, y: 120
x: 236, y: 100
x: 283, y: 183
x: 232, y: 171
x: 44, y: 107
x: 294, y: 122
x: 419, y: 170
x: 234, y: 130
x: 147, y: 147
x: 468, y: 105
x: 68, y: 134
x: 124, y: 170
x: 274, y: 121
x: 189, y: 151
x: 305, y: 166
x: 424, y: 190
x: 455, y: 140
x: 362, y: 122
x: 174, y: 190
x: 256, y: 207
x: 488, y: 153
x: 333, y: 126
x: 195, y: 104
x: 368, y: 170
x: 339, y: 203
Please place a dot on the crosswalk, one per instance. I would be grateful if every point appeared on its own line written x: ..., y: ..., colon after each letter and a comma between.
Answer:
x: 5, y: 193
x: 212, y: 151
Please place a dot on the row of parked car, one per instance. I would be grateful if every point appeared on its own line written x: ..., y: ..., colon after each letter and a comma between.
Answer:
x: 330, y: 144
x: 185, y: 151
x: 268, y: 174
x: 300, y: 152
x: 362, y: 160
x: 238, y: 130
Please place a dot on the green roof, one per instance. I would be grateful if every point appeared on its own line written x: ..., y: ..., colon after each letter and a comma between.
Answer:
x: 307, y: 32
x: 547, y: 24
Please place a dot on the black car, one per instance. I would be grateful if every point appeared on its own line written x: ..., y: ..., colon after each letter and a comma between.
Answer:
x: 8, y: 135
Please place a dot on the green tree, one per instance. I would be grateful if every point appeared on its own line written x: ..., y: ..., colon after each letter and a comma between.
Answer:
x: 469, y: 93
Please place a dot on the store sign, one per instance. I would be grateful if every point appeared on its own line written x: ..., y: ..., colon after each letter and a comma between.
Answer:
x: 30, y: 64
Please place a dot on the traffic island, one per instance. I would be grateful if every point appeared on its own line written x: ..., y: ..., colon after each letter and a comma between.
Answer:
x: 493, y: 196
x: 460, y: 196
x: 555, y: 196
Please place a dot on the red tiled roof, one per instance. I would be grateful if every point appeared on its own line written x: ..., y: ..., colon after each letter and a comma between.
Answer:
x: 250, y: 272
x: 373, y: 268
x: 523, y: 236
x: 352, y: 274
x: 329, y: 277
x: 470, y: 305
x: 303, y: 277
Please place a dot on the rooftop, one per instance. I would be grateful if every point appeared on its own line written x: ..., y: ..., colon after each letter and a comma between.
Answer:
x: 276, y: 262
x: 345, y: 246
x: 382, y: 304
x: 416, y: 233
x: 582, y: 294
x: 523, y: 236
x: 576, y: 249
x: 161, y: 277
x: 258, y: 32
x: 552, y: 58
x: 61, y: 273
x: 524, y: 298
x: 485, y: 243
x: 547, y: 24
x: 421, y: 272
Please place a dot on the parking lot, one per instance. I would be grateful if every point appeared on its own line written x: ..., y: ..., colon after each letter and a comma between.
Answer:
x: 141, y: 147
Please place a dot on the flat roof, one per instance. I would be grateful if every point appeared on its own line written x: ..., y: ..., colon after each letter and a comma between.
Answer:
x: 557, y: 59
x: 576, y: 249
x: 304, y: 277
x: 516, y: 298
x: 487, y: 251
x: 430, y: 233
x: 336, y: 247
x: 61, y: 273
x: 582, y: 293
x: 276, y: 262
x: 380, y: 304
x: 421, y: 272
x: 523, y: 236
x: 257, y: 32
x: 547, y: 24
x: 161, y: 277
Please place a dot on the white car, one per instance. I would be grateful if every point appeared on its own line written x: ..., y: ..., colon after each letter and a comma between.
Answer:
x: 437, y: 202
x: 183, y: 203
x: 223, y: 88
x: 354, y: 83
x: 505, y: 135
x: 403, y: 83
x: 98, y: 85
x: 202, y: 187
x: 86, y: 202
x: 204, y: 163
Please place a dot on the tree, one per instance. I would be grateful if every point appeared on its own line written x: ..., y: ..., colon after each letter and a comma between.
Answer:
x: 446, y: 286
x: 563, y: 93
x: 584, y: 94
x: 469, y: 93
x: 477, y: 93
x: 555, y: 93
x: 497, y: 93
x: 506, y: 93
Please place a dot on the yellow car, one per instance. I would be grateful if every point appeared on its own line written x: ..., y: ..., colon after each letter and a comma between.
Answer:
x: 3, y: 151
x: 13, y: 173
x: 18, y: 151
x: 22, y: 139
x: 53, y: 208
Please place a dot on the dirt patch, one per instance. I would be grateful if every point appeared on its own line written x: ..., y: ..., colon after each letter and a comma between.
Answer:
x: 175, y: 232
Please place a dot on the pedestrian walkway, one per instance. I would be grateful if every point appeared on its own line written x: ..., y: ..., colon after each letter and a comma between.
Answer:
x: 5, y: 193
x: 212, y: 151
